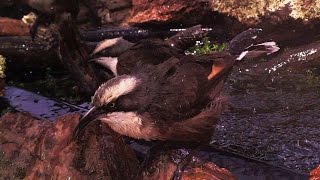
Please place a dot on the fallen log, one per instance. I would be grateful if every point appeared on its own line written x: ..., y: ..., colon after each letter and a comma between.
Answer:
x: 23, y: 45
x: 13, y: 27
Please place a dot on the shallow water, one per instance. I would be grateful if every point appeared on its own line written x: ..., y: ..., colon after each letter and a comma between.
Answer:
x: 39, y: 106
x: 273, y: 117
x: 242, y: 168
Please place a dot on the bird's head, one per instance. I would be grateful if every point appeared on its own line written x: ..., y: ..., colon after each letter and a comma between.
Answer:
x: 114, y: 88
x: 104, y: 97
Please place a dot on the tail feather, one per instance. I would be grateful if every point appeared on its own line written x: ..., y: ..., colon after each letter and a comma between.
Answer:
x: 187, y: 38
x: 243, y: 40
x: 199, y: 127
x: 245, y: 45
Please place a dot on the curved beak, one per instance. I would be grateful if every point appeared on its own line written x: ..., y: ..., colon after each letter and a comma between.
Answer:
x: 90, y: 116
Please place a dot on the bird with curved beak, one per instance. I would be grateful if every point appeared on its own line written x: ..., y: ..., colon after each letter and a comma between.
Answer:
x: 176, y: 100
x: 148, y: 51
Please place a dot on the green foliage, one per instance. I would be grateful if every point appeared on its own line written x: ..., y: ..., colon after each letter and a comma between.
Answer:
x: 2, y: 66
x: 61, y: 87
x: 205, y: 47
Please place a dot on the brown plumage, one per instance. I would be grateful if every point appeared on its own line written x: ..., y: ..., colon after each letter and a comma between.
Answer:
x: 149, y: 51
x: 173, y: 100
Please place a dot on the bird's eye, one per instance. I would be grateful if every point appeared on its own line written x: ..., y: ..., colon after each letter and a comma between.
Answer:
x: 112, y: 105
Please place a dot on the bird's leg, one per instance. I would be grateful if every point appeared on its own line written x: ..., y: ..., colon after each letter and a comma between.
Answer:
x: 42, y: 19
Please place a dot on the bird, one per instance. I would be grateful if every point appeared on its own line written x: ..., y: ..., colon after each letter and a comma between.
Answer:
x: 148, y: 51
x: 50, y: 10
x: 176, y: 100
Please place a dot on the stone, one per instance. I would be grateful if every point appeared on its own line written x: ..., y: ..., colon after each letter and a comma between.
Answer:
x: 255, y: 11
x: 118, y: 4
x: 248, y: 12
x: 315, y: 174
x: 38, y: 149
x: 120, y: 15
x: 164, y: 163
x: 183, y: 11
x: 208, y: 170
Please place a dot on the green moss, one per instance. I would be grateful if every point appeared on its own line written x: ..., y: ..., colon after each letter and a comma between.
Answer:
x: 205, y: 47
x: 2, y: 66
x: 61, y: 86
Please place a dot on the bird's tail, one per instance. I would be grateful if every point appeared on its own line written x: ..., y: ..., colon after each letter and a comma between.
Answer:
x: 200, y: 127
x: 245, y: 45
x: 187, y: 38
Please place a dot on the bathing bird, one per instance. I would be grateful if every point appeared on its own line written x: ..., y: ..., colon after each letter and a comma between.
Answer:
x: 147, y: 51
x: 178, y: 99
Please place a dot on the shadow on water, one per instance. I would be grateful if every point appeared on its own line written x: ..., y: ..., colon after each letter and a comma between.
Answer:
x: 273, y: 117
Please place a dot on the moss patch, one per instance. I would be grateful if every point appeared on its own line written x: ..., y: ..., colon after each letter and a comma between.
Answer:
x: 2, y: 66
x: 205, y: 47
x: 54, y: 83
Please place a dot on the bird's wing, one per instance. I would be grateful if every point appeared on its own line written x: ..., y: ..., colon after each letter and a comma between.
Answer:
x: 196, y: 128
x: 186, y: 90
x: 180, y: 93
x: 152, y: 51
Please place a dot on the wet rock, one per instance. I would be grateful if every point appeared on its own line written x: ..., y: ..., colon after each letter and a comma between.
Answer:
x: 207, y: 171
x: 315, y: 174
x: 35, y: 149
x: 117, y: 4
x: 247, y: 12
x: 107, y: 12
x: 144, y: 11
x: 120, y: 15
x: 275, y: 11
x: 165, y: 163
